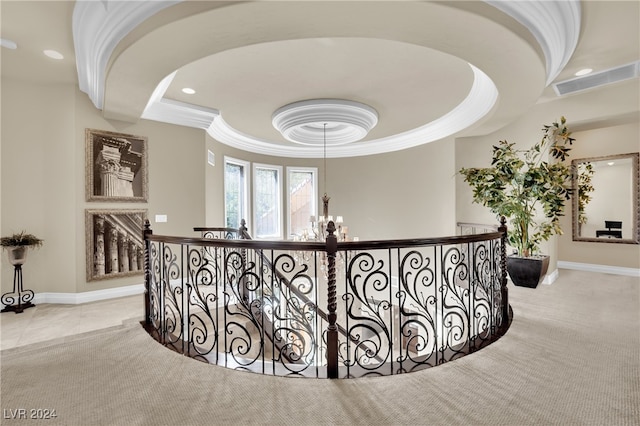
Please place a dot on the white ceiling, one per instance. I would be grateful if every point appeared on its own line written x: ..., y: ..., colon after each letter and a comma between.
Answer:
x: 407, y: 60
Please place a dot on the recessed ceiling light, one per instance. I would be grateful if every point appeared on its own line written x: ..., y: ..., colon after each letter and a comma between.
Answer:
x: 583, y: 71
x: 611, y: 163
x: 54, y: 54
x: 9, y: 44
x: 188, y: 91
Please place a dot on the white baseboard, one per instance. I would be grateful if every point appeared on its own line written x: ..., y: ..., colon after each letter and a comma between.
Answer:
x: 605, y: 269
x: 88, y: 296
x: 550, y: 278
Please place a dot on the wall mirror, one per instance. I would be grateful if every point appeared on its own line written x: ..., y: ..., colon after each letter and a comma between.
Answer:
x: 606, y: 200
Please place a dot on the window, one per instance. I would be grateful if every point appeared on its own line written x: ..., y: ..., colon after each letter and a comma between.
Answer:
x: 267, y: 204
x: 302, y: 193
x: 236, y: 179
x: 267, y: 189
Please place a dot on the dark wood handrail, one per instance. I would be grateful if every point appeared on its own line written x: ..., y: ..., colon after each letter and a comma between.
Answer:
x: 320, y: 246
x: 415, y: 242
x: 215, y: 229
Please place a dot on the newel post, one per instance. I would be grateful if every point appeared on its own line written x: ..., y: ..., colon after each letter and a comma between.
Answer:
x: 243, y: 231
x: 504, y: 291
x: 332, y: 303
x: 147, y: 271
x: 243, y: 235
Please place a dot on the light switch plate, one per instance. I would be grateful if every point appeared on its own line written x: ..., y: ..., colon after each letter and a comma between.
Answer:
x: 161, y: 218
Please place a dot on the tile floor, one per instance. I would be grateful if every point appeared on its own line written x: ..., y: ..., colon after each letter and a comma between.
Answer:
x: 46, y: 322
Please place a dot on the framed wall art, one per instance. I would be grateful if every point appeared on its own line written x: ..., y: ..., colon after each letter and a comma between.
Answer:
x: 116, y: 166
x: 115, y: 247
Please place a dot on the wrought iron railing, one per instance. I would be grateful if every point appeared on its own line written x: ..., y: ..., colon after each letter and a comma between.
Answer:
x: 391, y: 306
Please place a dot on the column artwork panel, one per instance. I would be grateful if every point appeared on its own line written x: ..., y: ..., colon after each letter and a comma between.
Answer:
x: 114, y: 243
x: 116, y: 166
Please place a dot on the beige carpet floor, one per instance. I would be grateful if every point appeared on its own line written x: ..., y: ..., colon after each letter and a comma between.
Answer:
x: 571, y: 357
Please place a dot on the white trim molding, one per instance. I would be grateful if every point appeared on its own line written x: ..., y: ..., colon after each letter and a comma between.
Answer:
x: 329, y: 121
x: 550, y: 278
x: 479, y: 102
x: 98, y: 27
x: 88, y: 296
x: 605, y: 269
x: 175, y: 112
x: 554, y: 24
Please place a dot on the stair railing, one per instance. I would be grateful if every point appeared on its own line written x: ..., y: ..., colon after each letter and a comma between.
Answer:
x: 243, y: 233
x: 392, y: 306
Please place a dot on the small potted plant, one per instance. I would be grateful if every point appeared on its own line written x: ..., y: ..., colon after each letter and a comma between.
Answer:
x: 17, y: 245
x: 530, y: 192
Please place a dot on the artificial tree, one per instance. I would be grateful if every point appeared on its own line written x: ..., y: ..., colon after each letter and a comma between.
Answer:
x: 526, y: 188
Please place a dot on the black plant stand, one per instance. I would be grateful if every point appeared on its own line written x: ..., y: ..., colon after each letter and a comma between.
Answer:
x: 19, y: 295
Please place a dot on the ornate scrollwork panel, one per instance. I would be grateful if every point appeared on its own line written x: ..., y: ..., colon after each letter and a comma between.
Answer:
x: 262, y: 310
x: 455, y: 298
x: 369, y: 341
x: 417, y: 297
x: 204, y: 287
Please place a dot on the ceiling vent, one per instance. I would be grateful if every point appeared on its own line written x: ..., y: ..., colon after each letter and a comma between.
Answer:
x: 613, y: 75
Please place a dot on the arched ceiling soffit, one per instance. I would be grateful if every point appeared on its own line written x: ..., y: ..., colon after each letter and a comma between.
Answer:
x: 430, y: 70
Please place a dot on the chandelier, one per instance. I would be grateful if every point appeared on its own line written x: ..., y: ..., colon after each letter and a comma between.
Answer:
x: 319, y: 225
x: 330, y: 122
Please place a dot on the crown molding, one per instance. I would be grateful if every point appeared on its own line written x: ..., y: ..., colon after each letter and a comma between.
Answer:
x: 175, y: 112
x: 98, y: 27
x: 318, y: 121
x: 478, y: 103
x: 554, y: 24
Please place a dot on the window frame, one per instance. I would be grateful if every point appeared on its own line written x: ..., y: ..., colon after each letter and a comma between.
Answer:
x: 254, y: 212
x: 246, y: 190
x: 314, y: 201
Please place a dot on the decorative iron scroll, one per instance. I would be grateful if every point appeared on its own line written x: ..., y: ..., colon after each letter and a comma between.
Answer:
x: 396, y: 306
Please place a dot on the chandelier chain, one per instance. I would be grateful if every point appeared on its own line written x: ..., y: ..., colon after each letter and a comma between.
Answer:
x: 324, y: 137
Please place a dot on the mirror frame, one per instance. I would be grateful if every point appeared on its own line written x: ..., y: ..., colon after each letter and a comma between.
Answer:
x: 635, y: 158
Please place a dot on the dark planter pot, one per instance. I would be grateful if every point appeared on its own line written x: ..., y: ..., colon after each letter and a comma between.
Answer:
x: 527, y: 271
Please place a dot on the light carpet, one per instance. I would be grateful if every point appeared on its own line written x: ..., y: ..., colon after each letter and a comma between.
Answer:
x: 571, y: 357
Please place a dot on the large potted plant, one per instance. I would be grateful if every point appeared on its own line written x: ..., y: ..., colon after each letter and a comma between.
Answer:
x: 584, y: 173
x: 531, y: 192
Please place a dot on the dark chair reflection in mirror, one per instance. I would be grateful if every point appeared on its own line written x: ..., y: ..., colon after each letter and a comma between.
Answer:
x: 614, y: 229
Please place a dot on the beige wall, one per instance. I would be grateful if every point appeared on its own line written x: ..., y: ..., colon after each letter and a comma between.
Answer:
x: 404, y: 194
x: 43, y: 175
x: 603, y: 123
x: 38, y: 182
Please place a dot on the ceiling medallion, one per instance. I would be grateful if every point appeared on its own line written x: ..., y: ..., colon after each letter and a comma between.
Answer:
x: 304, y: 122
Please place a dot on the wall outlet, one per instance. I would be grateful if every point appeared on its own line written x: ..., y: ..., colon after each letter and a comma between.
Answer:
x: 161, y: 218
